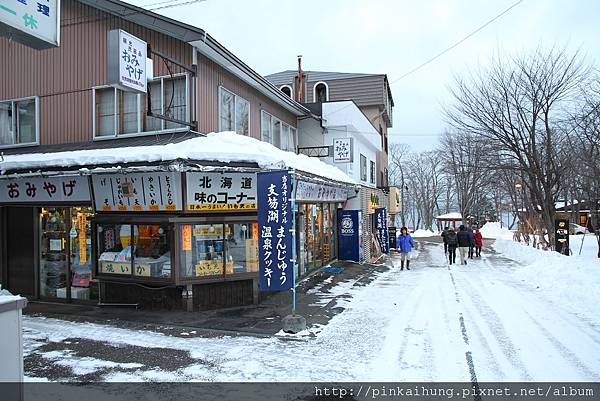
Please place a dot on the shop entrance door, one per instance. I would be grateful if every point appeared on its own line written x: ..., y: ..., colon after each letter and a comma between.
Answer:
x: 54, y: 239
x: 20, y: 250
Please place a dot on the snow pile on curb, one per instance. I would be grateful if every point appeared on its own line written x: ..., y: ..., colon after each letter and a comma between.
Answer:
x: 571, y: 281
x: 493, y: 230
x: 423, y: 233
x: 223, y: 147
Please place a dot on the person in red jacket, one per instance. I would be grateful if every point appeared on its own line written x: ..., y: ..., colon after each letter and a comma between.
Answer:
x: 478, y: 243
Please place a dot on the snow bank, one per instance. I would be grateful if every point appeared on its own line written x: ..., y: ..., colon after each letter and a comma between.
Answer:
x: 493, y: 230
x: 4, y: 299
x: 423, y: 233
x: 571, y: 281
x: 220, y: 147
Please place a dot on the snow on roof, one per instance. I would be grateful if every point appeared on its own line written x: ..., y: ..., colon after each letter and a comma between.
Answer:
x: 222, y: 147
x: 450, y: 216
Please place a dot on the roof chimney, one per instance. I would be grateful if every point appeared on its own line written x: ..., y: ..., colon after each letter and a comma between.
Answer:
x: 299, y: 82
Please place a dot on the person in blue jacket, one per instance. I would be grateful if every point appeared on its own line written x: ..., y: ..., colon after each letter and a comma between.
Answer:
x: 404, y: 244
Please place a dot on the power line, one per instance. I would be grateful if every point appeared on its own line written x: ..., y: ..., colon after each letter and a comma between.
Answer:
x: 448, y: 48
x: 440, y: 54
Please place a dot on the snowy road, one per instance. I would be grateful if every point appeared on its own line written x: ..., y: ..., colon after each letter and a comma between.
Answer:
x: 475, y: 322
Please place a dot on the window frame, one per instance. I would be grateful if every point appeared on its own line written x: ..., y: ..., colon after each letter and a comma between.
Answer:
x: 235, y: 105
x: 288, y: 87
x: 15, y: 122
x: 372, y: 172
x: 292, y: 130
x: 315, y: 91
x: 141, y: 108
x: 363, y: 174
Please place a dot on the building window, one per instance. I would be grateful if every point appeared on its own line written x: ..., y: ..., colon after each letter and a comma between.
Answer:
x: 234, y: 113
x: 287, y: 90
x: 277, y: 133
x: 372, y: 173
x: 363, y: 168
x: 320, y: 92
x: 19, y: 122
x: 120, y: 113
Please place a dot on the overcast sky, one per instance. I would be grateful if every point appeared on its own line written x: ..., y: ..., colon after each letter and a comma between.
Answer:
x: 393, y: 37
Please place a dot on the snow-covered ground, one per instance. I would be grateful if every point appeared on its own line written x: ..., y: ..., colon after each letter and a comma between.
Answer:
x: 420, y: 233
x: 487, y: 320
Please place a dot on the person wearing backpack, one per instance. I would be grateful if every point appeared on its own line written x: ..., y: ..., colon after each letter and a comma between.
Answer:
x: 452, y: 245
x: 464, y: 243
x: 404, y: 244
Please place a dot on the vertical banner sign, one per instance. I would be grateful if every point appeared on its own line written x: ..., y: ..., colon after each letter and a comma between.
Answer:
x: 275, y: 243
x: 82, y: 226
x: 381, y: 230
x: 561, y: 236
x: 348, y: 234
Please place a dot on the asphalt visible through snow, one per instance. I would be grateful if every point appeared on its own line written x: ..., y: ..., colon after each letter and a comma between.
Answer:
x: 473, y: 323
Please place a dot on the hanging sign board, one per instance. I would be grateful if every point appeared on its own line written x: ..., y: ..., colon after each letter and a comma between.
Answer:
x: 32, y: 23
x: 45, y: 190
x: 221, y: 191
x: 138, y: 192
x: 312, y: 192
x: 275, y: 242
x: 342, y: 150
x: 381, y: 231
x: 126, y: 56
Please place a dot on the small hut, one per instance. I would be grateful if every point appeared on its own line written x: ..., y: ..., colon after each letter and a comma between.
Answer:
x: 450, y: 217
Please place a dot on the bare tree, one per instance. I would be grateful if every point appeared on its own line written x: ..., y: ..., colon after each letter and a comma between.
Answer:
x: 425, y: 179
x: 465, y: 157
x: 398, y: 152
x: 517, y: 104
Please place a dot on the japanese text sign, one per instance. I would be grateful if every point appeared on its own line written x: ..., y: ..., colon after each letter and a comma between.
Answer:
x: 127, y: 61
x: 309, y: 191
x: 275, y: 239
x: 138, y: 192
x: 216, y: 191
x: 381, y: 231
x: 46, y: 190
x: 342, y: 150
x: 35, y: 23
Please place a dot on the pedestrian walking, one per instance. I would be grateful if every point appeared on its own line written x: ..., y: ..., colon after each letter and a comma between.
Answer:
x: 471, y: 242
x: 404, y: 245
x: 452, y: 244
x: 445, y: 239
x: 478, y: 243
x: 463, y: 244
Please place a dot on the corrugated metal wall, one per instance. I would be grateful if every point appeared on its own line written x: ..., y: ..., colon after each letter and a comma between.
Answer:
x: 211, y: 76
x: 63, y: 77
x: 363, y: 90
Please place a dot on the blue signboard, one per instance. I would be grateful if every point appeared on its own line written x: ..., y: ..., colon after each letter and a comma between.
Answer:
x: 348, y: 235
x: 381, y: 231
x: 275, y: 226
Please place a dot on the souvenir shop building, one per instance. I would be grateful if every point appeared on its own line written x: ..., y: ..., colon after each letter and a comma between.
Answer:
x: 181, y: 234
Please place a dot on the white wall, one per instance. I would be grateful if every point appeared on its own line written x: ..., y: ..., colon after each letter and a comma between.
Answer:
x: 342, y: 120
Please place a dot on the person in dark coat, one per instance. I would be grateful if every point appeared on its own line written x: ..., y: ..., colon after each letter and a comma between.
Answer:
x: 404, y: 244
x: 472, y: 242
x: 452, y: 245
x: 445, y: 239
x: 478, y: 243
x: 464, y: 242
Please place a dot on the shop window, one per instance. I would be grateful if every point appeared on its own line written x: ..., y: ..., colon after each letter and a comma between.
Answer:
x: 134, y: 250
x: 202, y: 250
x: 363, y: 168
x: 234, y: 113
x: 19, y: 122
x: 152, y: 256
x: 241, y: 248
